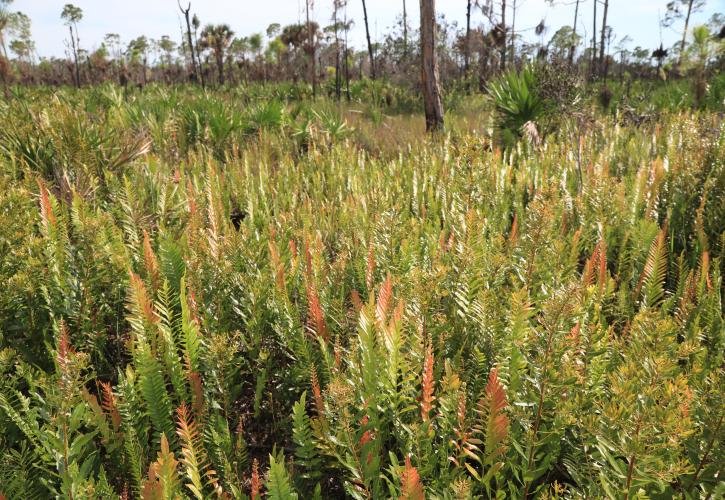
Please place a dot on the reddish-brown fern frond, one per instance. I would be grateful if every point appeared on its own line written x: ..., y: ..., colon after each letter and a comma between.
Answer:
x: 46, y: 209
x: 356, y: 301
x: 428, y: 385
x: 316, y: 314
x: 705, y: 269
x: 589, y: 268
x: 367, y: 435
x: 197, y: 393
x: 308, y: 258
x: 411, y: 487
x: 140, y: 298
x: 514, y: 233
x: 256, y: 481
x: 497, y: 423
x: 383, y: 302
x: 108, y: 403
x: 150, y: 262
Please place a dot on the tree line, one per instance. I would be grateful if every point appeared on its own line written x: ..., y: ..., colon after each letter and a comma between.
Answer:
x: 321, y: 55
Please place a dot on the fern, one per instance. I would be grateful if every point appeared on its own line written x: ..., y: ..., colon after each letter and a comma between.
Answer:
x: 194, y: 459
x: 155, y: 395
x: 279, y: 486
x: 652, y: 281
x: 305, y: 451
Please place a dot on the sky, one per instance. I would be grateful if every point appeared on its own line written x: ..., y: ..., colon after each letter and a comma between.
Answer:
x: 154, y: 18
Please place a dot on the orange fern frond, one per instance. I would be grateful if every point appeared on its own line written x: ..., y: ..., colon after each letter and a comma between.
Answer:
x: 428, y: 385
x: 140, y: 298
x: 108, y: 403
x: 514, y: 233
x: 497, y: 423
x: 356, y: 301
x: 383, y: 301
x: 411, y: 487
x: 46, y: 209
x: 316, y: 314
x: 197, y: 393
x: 256, y: 481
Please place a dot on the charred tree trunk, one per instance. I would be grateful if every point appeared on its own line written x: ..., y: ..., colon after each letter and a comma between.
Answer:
x: 219, y: 53
x: 190, y: 41
x: 467, y: 47
x: 405, y: 31
x: 504, y: 47
x: 429, y: 70
x: 602, y: 68
x: 594, y: 42
x: 573, y: 47
x: 311, y: 48
x: 370, y: 44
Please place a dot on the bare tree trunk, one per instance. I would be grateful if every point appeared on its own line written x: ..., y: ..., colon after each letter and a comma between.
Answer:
x: 504, y: 48
x: 429, y: 73
x: 195, y: 49
x: 684, y: 33
x: 338, y: 80
x: 467, y: 47
x: 77, y: 71
x: 594, y: 42
x: 405, y: 31
x: 311, y: 44
x: 602, y: 36
x: 219, y: 53
x: 370, y: 44
x: 195, y: 70
x: 346, y: 55
x: 513, y: 34
x: 573, y: 47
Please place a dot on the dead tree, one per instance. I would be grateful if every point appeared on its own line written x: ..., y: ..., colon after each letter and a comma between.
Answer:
x: 429, y: 70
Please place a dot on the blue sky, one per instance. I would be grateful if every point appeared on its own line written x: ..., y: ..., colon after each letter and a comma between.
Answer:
x: 154, y: 18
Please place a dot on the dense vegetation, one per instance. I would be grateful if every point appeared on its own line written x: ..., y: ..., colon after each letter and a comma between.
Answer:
x: 242, y: 293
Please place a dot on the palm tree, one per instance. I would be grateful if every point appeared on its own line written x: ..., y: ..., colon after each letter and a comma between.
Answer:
x: 217, y: 38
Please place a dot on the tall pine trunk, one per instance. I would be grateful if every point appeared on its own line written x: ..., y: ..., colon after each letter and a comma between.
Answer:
x: 573, y: 46
x: 504, y: 48
x: 602, y: 66
x: 311, y: 47
x: 429, y: 71
x: 684, y: 33
x: 467, y: 47
x: 370, y: 44
x: 190, y: 41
